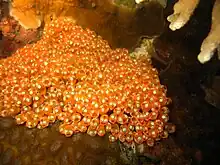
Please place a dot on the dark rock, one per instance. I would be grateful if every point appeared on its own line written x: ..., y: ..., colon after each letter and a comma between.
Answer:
x: 1, y: 148
x: 56, y: 147
x: 90, y: 160
x: 7, y: 156
x: 77, y: 137
x: 64, y: 159
x: 43, y: 134
x: 51, y: 163
x: 93, y: 143
x: 71, y: 155
x: 17, y: 162
x: 6, y: 123
x: 78, y: 155
x: 26, y: 160
x: 23, y: 147
x: 38, y: 154
x: 35, y: 142
x: 2, y: 135
x: 110, y: 161
x: 30, y: 132
x: 15, y: 136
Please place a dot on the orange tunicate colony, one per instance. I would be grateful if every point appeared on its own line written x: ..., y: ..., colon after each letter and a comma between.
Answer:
x: 72, y: 75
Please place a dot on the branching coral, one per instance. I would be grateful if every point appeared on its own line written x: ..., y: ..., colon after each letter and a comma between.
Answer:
x: 183, y: 10
x: 72, y: 75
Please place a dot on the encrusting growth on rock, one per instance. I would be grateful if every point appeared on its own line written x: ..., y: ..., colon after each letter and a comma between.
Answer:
x: 72, y: 75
